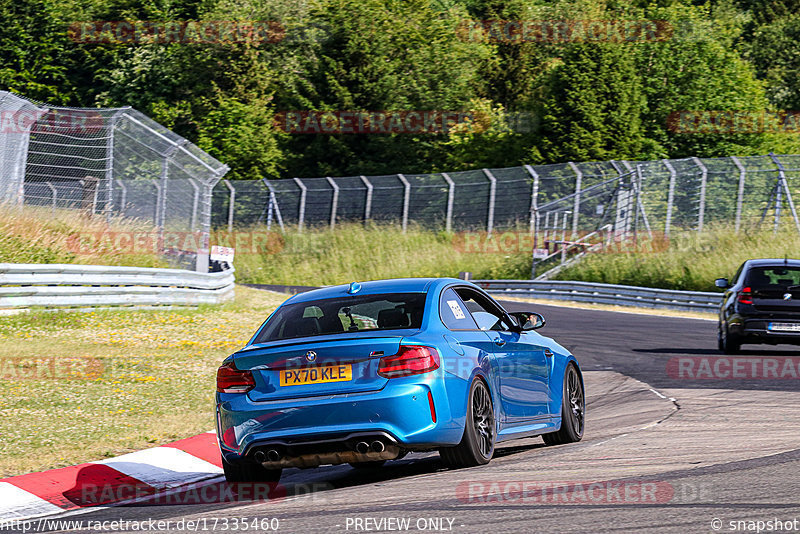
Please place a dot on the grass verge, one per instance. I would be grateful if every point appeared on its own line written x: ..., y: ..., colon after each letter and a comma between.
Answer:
x: 690, y: 261
x: 156, y: 385
x: 358, y: 252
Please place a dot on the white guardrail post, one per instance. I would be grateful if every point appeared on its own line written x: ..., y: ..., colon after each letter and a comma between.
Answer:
x: 25, y: 286
x: 644, y: 297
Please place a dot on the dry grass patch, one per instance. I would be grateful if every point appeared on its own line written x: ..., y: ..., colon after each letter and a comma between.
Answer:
x: 156, y: 386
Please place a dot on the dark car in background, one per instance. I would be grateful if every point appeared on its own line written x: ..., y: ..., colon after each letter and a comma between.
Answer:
x: 761, y: 304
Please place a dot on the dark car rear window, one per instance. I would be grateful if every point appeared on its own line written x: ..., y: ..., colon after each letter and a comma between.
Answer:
x: 772, y: 277
x: 346, y: 314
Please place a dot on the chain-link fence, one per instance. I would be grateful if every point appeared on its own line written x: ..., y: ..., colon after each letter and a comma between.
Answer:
x: 644, y: 196
x: 106, y: 162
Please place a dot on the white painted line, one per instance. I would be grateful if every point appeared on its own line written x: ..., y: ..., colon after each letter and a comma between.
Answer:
x: 163, y: 467
x: 671, y: 399
x: 16, y: 503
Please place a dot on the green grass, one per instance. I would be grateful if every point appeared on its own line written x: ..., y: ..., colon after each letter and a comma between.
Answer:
x: 688, y: 261
x: 151, y: 379
x: 39, y: 235
x: 355, y: 252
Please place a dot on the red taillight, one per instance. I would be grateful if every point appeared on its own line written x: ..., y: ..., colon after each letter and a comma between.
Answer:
x: 232, y: 380
x: 433, y: 408
x: 746, y: 296
x: 410, y: 360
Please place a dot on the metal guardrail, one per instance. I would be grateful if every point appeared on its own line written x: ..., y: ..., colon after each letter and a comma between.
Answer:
x: 61, y: 285
x: 596, y: 293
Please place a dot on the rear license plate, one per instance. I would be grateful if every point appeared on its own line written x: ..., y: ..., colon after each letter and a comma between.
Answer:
x: 783, y: 327
x: 316, y: 375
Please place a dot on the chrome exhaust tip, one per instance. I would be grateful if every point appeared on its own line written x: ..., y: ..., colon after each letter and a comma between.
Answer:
x: 378, y: 446
x: 260, y: 457
x: 273, y: 455
x: 362, y: 447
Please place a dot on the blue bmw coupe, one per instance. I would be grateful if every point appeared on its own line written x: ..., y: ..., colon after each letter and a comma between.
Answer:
x: 365, y: 373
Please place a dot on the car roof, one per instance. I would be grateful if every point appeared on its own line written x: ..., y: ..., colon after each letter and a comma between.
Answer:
x: 762, y: 262
x: 374, y: 287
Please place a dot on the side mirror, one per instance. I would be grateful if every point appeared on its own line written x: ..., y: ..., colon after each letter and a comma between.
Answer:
x: 528, y: 320
x: 722, y: 283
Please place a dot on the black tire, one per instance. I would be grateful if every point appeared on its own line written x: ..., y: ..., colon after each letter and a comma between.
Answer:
x: 367, y: 465
x: 477, y: 443
x: 573, y: 410
x: 248, y: 471
x: 728, y: 343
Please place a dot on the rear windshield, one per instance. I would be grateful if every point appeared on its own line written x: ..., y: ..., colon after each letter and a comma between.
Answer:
x: 347, y: 314
x: 773, y: 277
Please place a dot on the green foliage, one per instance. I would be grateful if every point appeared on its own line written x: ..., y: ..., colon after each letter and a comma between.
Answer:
x: 593, y: 108
x: 590, y: 99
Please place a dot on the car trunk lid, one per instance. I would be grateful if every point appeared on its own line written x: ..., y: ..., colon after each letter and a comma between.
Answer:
x: 319, y: 365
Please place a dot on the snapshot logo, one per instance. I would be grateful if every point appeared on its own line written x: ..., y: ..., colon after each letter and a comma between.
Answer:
x: 50, y: 368
x: 397, y: 122
x: 35, y: 121
x: 734, y: 367
x: 545, y: 492
x: 721, y: 122
x: 564, y: 31
x: 154, y: 242
x: 184, y: 32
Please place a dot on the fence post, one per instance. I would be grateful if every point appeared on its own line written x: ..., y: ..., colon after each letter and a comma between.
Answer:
x: 492, y: 197
x: 740, y: 194
x: 577, y: 207
x: 161, y: 201
x: 534, y: 200
x: 703, y: 180
x: 157, y: 185
x: 230, y: 204
x: 334, y: 201
x: 55, y: 196
x: 406, y: 199
x: 451, y: 193
x: 785, y: 185
x: 109, y: 174
x: 273, y: 202
x: 195, y: 202
x: 670, y: 195
x: 301, y: 212
x: 368, y: 201
x: 123, y: 199
x: 639, y: 203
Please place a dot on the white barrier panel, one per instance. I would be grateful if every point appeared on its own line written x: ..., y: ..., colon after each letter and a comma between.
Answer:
x: 62, y: 285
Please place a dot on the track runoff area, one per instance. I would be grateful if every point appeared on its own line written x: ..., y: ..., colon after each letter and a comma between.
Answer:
x: 679, y: 438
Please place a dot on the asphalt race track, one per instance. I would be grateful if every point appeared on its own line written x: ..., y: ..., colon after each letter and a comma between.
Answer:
x: 663, y: 451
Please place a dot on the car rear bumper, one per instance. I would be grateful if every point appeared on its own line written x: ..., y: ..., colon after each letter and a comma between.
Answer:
x: 758, y: 331
x: 400, y: 412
